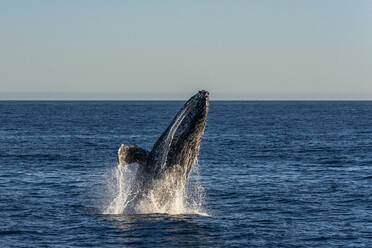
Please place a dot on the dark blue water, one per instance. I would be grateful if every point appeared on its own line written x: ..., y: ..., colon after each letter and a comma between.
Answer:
x: 276, y: 174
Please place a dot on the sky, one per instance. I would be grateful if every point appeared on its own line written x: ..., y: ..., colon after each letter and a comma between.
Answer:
x: 167, y: 50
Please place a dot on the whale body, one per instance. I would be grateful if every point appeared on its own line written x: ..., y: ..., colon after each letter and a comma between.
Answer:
x: 163, y: 171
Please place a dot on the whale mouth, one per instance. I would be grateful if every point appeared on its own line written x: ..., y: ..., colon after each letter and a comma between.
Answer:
x: 197, y: 105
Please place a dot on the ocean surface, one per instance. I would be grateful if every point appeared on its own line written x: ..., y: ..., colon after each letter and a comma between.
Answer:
x: 269, y: 174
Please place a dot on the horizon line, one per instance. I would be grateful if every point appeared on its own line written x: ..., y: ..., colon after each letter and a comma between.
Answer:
x: 182, y: 100
x: 181, y: 96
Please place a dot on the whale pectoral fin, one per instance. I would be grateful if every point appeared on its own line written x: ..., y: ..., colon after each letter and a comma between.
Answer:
x: 132, y: 154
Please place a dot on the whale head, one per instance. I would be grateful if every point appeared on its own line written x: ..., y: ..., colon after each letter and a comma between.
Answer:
x: 177, y: 148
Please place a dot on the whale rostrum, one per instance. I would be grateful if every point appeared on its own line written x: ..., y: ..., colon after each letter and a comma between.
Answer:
x: 164, y: 170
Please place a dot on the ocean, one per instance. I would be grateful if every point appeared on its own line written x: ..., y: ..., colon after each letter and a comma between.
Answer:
x: 269, y: 174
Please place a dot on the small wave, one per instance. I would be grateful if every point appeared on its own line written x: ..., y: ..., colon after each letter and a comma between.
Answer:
x: 51, y: 157
x: 10, y: 232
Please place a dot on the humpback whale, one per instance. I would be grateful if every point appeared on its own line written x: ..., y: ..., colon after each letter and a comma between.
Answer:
x: 163, y: 171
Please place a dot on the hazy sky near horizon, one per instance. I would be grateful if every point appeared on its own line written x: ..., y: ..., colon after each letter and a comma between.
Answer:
x: 318, y: 49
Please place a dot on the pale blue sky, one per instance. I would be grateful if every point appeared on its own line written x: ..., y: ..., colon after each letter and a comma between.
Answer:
x: 315, y: 49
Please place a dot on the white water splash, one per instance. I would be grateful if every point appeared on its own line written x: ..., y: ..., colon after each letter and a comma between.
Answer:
x: 186, y: 200
x: 119, y: 185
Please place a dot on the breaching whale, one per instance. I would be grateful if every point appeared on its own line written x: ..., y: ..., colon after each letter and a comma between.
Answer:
x: 163, y: 171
